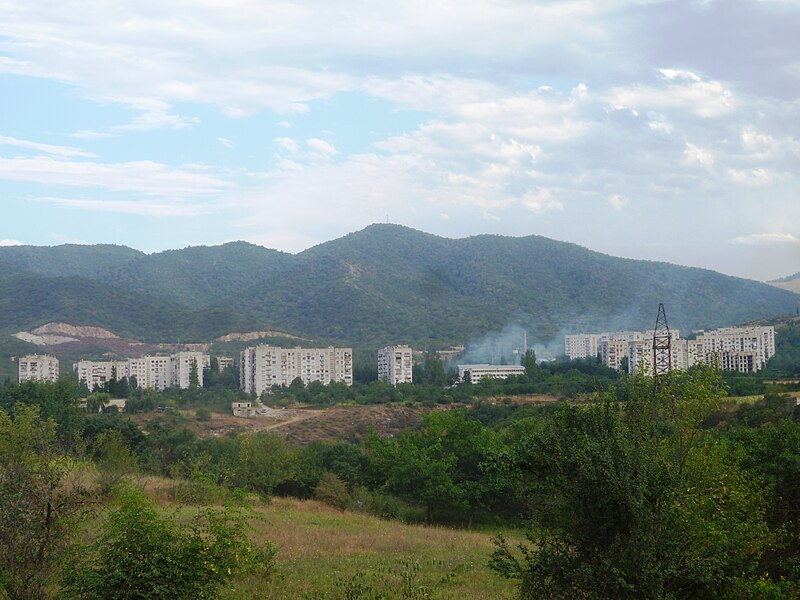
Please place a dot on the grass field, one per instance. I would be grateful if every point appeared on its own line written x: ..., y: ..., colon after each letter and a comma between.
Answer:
x: 321, y: 550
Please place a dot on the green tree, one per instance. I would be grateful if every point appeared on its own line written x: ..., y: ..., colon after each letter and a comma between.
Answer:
x: 194, y: 378
x: 141, y: 554
x: 636, y: 504
x: 529, y: 362
x: 38, y: 506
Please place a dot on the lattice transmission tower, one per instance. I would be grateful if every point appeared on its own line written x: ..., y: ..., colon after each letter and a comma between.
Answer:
x: 662, y: 348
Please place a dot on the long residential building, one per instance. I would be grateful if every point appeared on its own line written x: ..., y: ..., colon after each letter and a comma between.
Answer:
x: 743, y: 349
x: 263, y: 366
x: 38, y: 367
x: 395, y: 364
x: 478, y: 372
x: 153, y: 372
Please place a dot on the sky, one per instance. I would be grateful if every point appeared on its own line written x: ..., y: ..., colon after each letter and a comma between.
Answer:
x: 649, y: 129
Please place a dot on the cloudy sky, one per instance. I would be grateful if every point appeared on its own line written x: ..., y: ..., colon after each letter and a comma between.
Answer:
x: 642, y: 128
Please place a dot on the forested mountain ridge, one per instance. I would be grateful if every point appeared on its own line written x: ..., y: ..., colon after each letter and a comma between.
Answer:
x: 66, y: 259
x: 385, y: 283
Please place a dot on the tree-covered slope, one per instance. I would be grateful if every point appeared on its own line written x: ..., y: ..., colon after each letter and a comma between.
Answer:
x: 383, y: 284
x: 28, y: 300
x: 67, y: 259
x: 199, y: 275
x: 392, y: 283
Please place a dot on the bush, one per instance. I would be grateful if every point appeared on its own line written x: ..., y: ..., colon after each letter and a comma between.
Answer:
x: 141, y: 554
x: 332, y: 490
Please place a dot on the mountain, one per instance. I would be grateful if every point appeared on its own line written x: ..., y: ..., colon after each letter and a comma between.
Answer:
x: 200, y: 275
x: 383, y: 284
x: 67, y: 259
x: 791, y: 283
x: 392, y: 283
x: 29, y: 300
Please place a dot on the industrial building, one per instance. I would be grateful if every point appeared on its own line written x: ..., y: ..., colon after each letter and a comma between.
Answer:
x: 478, y: 372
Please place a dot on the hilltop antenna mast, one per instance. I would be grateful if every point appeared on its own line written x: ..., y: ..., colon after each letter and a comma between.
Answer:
x: 662, y: 348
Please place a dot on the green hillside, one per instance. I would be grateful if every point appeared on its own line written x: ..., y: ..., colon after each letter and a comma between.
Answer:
x: 29, y: 300
x: 383, y: 284
x: 67, y: 259
x: 392, y: 283
x: 198, y: 276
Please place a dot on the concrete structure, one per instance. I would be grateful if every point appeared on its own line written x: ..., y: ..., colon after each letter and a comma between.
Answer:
x: 743, y: 349
x: 243, y: 409
x: 395, y: 364
x: 38, y: 367
x: 154, y: 372
x: 264, y: 366
x: 478, y: 372
x: 224, y: 362
x: 589, y: 345
x: 182, y: 364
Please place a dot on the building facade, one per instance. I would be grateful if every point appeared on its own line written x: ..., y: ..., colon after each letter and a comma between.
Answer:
x: 477, y: 372
x: 743, y: 349
x: 263, y: 366
x: 153, y: 372
x: 38, y: 367
x: 395, y: 364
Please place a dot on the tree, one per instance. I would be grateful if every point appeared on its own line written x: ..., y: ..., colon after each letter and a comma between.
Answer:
x: 635, y: 504
x: 37, y: 506
x: 141, y: 554
x: 441, y: 465
x: 529, y: 362
x: 194, y: 378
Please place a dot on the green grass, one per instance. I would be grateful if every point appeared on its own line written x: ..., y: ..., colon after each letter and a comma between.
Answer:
x: 321, y: 550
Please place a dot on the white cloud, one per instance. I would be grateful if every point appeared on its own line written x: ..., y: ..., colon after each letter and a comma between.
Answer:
x: 681, y: 91
x: 762, y: 239
x: 144, y: 177
x: 65, y: 151
x: 225, y: 142
x: 321, y: 148
x: 618, y: 202
x: 757, y: 176
x: 8, y: 242
x: 698, y: 156
x: 88, y: 134
x: 133, y: 207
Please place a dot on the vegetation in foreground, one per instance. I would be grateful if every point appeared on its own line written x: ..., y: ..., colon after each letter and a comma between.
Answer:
x: 641, y: 491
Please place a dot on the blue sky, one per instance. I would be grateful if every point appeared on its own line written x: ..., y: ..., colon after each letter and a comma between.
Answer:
x: 649, y: 129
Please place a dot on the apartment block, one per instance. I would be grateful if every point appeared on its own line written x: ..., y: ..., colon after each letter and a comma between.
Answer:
x: 478, y: 372
x: 154, y: 372
x: 395, y: 364
x: 181, y: 366
x: 263, y: 366
x: 743, y: 349
x: 224, y: 362
x: 38, y: 367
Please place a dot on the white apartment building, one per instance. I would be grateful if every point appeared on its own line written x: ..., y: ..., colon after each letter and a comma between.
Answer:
x: 154, y: 372
x: 181, y: 366
x: 395, y: 364
x: 640, y: 355
x: 478, y: 372
x: 589, y: 345
x: 223, y: 362
x: 263, y: 366
x: 38, y: 367
x: 743, y: 349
